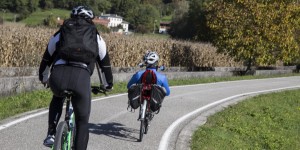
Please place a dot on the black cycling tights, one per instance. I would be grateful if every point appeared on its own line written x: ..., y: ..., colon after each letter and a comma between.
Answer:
x: 77, y: 80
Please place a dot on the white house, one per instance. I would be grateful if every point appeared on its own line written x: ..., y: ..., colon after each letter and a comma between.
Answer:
x: 164, y: 27
x: 115, y: 20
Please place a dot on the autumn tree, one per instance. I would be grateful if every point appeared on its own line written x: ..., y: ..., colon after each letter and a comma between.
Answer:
x: 256, y: 32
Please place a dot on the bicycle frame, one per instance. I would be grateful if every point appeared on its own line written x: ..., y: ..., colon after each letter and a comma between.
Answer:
x: 144, y: 108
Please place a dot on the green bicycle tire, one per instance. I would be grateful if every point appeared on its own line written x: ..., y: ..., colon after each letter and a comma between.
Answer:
x: 60, y: 136
x: 72, y: 132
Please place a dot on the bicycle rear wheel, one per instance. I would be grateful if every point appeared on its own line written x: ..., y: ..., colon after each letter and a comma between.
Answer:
x: 61, y: 136
x: 72, y: 131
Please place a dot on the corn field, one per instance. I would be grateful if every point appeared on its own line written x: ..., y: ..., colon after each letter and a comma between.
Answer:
x: 22, y: 46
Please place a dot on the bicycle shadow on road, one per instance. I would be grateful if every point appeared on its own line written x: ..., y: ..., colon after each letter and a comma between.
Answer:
x: 114, y: 130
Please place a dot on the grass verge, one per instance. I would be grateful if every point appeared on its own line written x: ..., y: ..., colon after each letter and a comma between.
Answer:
x: 269, y: 121
x: 20, y: 103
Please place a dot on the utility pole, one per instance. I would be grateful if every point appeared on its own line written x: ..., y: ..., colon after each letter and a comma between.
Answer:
x: 3, y: 14
x: 154, y: 26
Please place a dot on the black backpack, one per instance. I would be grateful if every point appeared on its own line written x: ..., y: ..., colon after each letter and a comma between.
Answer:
x: 78, y: 41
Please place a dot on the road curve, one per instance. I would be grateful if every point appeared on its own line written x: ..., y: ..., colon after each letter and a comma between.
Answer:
x: 112, y: 127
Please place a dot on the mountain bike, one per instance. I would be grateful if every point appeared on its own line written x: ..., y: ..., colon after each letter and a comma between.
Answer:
x: 66, y: 130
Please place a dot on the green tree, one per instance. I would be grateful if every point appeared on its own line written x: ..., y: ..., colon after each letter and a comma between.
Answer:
x: 127, y: 9
x: 189, y: 21
x: 33, y: 5
x: 61, y: 4
x: 152, y: 2
x: 179, y: 25
x: 21, y: 7
x: 104, y: 6
x: 46, y: 4
x: 146, y: 18
x: 6, y: 4
x: 257, y: 32
x: 197, y: 26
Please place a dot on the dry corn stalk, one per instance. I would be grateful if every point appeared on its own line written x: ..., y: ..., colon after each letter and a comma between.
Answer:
x: 22, y: 46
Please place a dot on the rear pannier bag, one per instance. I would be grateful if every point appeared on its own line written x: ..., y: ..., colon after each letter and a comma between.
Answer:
x: 157, y: 96
x: 134, y: 95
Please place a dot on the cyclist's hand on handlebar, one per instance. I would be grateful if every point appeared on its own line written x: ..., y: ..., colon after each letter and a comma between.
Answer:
x: 46, y: 84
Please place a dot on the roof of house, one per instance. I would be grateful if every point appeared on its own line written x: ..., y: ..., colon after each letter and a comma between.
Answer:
x: 101, y: 21
x: 111, y: 15
x: 165, y: 23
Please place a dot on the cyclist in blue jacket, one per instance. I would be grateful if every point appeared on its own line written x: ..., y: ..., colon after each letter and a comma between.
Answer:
x: 151, y: 62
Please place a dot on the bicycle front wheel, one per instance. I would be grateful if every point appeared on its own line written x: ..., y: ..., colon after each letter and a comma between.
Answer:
x: 142, y: 130
x: 146, y: 122
x: 61, y: 136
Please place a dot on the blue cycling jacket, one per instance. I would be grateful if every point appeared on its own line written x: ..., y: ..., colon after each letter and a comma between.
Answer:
x: 161, y: 79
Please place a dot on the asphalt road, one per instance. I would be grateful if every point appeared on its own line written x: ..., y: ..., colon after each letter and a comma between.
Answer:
x: 112, y: 127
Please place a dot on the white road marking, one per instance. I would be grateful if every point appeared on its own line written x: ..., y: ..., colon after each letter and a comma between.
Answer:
x: 164, y: 142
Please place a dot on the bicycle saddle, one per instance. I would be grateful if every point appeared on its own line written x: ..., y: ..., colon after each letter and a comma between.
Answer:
x: 67, y: 93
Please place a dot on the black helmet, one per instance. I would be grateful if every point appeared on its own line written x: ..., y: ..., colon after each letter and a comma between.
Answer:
x: 82, y: 11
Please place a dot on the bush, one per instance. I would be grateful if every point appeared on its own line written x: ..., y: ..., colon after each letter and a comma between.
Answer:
x: 50, y: 22
x: 102, y: 29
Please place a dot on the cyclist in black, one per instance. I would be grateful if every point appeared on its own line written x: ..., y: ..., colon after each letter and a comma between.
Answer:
x: 74, y: 76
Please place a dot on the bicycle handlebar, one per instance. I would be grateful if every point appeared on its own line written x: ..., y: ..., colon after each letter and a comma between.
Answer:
x: 99, y: 89
x: 161, y: 68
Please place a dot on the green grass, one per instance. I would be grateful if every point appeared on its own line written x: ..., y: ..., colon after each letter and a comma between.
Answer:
x: 13, y: 105
x: 269, y: 121
x: 37, y: 17
x: 8, y: 16
x: 220, y: 79
x: 166, y: 18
